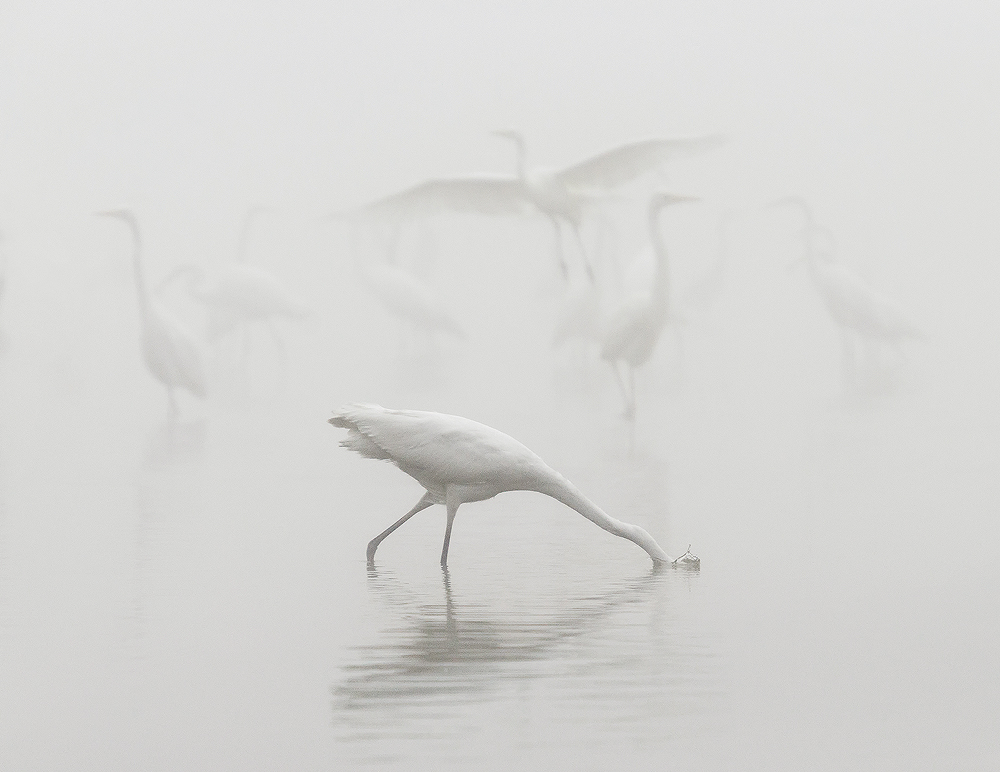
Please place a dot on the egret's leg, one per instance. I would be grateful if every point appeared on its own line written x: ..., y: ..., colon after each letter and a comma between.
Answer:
x: 557, y: 232
x: 849, y: 359
x: 425, y: 501
x: 621, y: 385
x: 630, y: 408
x: 452, y: 509
x: 583, y: 251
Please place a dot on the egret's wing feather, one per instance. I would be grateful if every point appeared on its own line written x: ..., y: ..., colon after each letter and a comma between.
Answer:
x: 433, y: 446
x: 623, y: 164
x: 489, y: 195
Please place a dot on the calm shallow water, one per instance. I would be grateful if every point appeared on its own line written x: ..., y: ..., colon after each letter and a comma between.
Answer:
x: 195, y: 595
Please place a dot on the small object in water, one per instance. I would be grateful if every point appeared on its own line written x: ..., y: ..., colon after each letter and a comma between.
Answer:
x: 688, y: 560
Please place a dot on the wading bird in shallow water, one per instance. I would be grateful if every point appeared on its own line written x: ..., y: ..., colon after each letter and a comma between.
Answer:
x: 459, y: 461
x: 170, y: 351
x: 633, y: 331
x: 861, y: 312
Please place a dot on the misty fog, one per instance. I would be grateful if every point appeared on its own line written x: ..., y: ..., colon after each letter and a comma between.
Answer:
x: 183, y: 582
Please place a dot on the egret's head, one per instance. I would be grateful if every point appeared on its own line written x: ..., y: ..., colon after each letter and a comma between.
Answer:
x: 122, y: 214
x: 511, y: 134
x: 661, y: 199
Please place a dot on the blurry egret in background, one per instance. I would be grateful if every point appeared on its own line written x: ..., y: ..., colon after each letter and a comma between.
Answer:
x: 458, y: 461
x: 632, y: 333
x: 562, y: 194
x: 238, y: 293
x: 170, y: 351
x: 861, y: 312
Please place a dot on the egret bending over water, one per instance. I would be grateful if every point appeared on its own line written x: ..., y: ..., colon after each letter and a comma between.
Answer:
x: 170, y: 351
x: 633, y: 332
x: 460, y: 461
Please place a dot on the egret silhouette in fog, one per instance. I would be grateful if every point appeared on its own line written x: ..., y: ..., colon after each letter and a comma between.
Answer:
x: 402, y: 294
x: 458, y: 461
x: 238, y: 293
x: 410, y: 300
x: 169, y: 350
x: 861, y: 312
x: 562, y: 194
x: 632, y: 333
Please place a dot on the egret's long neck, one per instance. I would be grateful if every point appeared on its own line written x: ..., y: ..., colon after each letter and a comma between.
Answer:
x: 522, y: 156
x: 563, y: 490
x: 661, y: 281
x: 140, y: 276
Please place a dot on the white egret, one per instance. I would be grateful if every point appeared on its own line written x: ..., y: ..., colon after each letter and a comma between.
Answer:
x: 632, y: 333
x: 170, y: 351
x: 561, y: 194
x: 409, y: 299
x: 458, y: 461
x: 860, y: 311
x: 238, y: 293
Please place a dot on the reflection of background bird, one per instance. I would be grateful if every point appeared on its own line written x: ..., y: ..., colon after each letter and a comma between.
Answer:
x: 460, y: 461
x: 632, y: 333
x: 861, y: 312
x: 170, y: 351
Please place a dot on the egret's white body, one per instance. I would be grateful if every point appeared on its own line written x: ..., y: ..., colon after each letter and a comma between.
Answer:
x: 238, y: 294
x: 632, y: 333
x: 169, y: 349
x: 562, y: 194
x: 409, y: 299
x: 860, y: 311
x: 458, y: 461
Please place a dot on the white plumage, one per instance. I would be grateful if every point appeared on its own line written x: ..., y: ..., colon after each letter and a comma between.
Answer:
x: 169, y: 350
x: 458, y: 461
x: 632, y: 333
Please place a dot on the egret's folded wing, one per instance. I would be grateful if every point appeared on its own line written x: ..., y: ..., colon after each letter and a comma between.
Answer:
x: 431, y: 446
x: 483, y: 195
x: 625, y: 163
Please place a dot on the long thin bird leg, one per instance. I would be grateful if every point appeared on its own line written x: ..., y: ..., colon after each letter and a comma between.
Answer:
x: 583, y: 251
x: 425, y: 501
x: 621, y: 386
x: 560, y: 255
x: 452, y: 510
x: 630, y: 410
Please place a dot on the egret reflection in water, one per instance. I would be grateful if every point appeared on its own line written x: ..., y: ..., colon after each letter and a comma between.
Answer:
x: 452, y: 650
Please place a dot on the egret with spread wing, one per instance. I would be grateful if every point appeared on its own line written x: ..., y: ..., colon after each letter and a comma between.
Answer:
x: 458, y: 461
x: 562, y: 194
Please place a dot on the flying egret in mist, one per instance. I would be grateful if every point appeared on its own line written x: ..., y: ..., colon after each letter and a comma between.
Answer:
x: 860, y: 311
x: 632, y: 333
x: 458, y: 461
x: 561, y: 194
x: 170, y: 351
